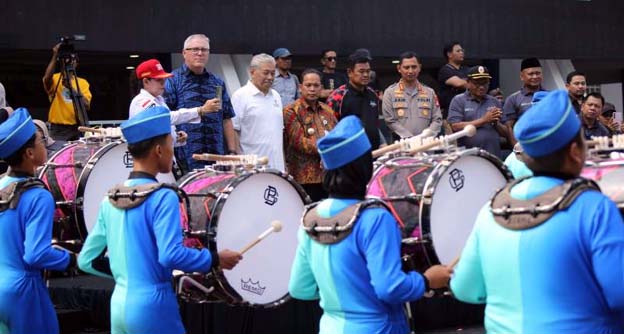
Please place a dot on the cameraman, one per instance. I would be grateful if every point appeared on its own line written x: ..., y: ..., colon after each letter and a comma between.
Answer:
x: 62, y: 116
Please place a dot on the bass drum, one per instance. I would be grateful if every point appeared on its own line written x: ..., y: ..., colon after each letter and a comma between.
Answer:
x: 228, y: 210
x: 79, y: 175
x: 609, y: 174
x: 436, y: 200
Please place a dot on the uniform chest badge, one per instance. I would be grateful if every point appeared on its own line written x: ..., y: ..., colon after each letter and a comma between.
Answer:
x: 401, y: 112
x: 424, y: 112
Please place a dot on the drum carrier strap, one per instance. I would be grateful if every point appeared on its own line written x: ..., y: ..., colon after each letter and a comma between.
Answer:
x: 10, y: 195
x: 515, y: 214
x: 332, y: 230
x: 128, y: 197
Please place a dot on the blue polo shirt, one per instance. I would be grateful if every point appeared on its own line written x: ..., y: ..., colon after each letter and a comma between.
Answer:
x: 465, y: 108
x: 189, y: 90
x: 517, y: 103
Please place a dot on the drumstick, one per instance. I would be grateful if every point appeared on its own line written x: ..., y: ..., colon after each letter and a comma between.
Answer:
x: 454, y: 262
x: 381, y: 151
x: 276, y: 226
x: 88, y: 129
x: 469, y: 131
x: 218, y: 157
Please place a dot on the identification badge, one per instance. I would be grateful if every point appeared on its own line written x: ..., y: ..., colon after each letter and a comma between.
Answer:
x: 401, y: 112
x: 424, y: 112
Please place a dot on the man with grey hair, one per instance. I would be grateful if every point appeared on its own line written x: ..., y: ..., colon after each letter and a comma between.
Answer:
x: 259, y: 122
x: 190, y: 87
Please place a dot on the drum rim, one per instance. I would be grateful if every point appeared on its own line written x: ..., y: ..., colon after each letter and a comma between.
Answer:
x: 82, y: 184
x: 214, y: 223
x: 431, y: 184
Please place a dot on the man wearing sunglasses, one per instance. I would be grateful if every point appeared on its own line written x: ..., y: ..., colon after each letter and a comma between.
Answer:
x: 285, y: 83
x: 331, y: 79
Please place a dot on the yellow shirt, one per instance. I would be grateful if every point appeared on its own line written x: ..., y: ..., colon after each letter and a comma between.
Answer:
x: 62, y: 109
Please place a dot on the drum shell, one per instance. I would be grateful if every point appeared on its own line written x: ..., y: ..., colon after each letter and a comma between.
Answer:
x: 79, y: 176
x: 422, y: 177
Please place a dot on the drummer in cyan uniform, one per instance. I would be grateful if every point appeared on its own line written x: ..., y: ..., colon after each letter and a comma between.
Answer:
x: 409, y: 106
x: 143, y: 237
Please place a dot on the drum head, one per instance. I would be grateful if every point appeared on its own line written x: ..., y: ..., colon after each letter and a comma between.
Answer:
x: 459, y: 192
x: 109, y: 166
x: 256, y: 200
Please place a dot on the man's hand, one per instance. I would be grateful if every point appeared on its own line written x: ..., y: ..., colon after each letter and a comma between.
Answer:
x: 182, y: 136
x: 210, y: 106
x: 493, y: 114
x: 610, y: 123
x: 55, y: 49
x: 229, y: 259
x: 438, y: 276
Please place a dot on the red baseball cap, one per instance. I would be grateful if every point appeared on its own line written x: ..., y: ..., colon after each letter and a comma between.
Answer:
x: 151, y: 69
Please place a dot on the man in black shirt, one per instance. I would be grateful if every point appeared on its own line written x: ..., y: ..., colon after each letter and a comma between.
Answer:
x: 452, y: 76
x: 576, y: 84
x: 331, y: 79
x: 356, y: 98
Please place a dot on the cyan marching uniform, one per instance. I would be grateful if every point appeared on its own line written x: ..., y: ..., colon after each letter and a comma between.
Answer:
x: 356, y: 272
x: 26, y: 245
x: 144, y: 246
x: 561, y: 273
x: 563, y: 276
x: 359, y: 280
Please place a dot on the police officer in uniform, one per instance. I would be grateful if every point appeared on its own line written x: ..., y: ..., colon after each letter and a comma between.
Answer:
x: 408, y: 106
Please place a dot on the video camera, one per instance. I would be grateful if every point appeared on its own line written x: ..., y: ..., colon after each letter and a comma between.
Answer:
x: 67, y: 51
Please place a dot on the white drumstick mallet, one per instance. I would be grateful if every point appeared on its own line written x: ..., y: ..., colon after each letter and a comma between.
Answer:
x: 276, y: 226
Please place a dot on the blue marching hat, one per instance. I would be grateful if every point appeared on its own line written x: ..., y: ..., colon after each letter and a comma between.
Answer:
x: 15, y: 132
x: 147, y: 124
x: 548, y: 125
x: 344, y: 143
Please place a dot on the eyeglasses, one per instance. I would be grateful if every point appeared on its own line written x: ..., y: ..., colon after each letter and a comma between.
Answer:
x: 196, y: 51
x: 330, y: 58
x: 44, y: 140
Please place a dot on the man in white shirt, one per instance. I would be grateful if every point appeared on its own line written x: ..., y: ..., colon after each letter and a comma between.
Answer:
x: 152, y: 77
x: 259, y: 122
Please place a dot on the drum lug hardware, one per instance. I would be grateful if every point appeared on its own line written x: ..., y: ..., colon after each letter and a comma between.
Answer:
x: 55, y: 165
x: 412, y: 241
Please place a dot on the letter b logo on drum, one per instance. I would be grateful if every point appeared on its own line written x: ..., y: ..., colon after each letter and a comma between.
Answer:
x: 127, y: 160
x: 456, y: 179
x: 270, y: 195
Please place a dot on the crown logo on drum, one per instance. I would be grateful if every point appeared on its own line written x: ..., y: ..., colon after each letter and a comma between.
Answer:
x: 253, y: 287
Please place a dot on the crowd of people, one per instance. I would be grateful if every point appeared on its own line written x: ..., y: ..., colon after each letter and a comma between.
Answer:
x: 537, y: 270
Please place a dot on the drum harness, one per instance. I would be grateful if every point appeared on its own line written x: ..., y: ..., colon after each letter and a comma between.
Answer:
x: 332, y: 230
x: 11, y: 194
x: 515, y: 214
x: 9, y: 199
x: 128, y: 197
